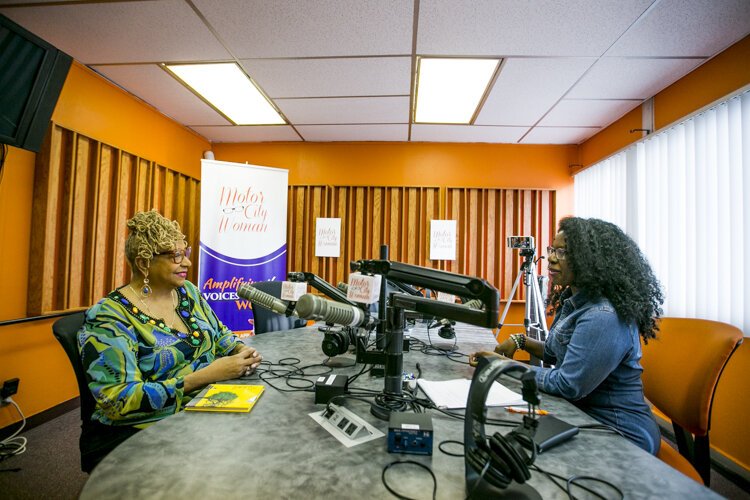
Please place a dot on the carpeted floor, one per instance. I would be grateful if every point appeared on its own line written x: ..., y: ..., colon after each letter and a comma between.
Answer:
x: 50, y: 467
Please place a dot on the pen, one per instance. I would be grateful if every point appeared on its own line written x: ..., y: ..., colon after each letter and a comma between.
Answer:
x: 524, y: 411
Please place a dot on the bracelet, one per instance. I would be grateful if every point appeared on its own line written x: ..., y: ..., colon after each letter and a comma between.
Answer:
x: 520, y: 340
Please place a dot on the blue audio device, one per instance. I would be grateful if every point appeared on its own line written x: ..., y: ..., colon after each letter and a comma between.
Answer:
x: 410, y: 433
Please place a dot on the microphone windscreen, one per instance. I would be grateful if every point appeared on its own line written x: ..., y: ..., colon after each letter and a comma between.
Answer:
x: 313, y: 307
x: 249, y: 292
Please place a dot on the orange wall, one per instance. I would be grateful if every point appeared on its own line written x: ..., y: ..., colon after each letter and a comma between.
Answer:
x: 412, y: 164
x: 92, y: 106
x: 715, y: 79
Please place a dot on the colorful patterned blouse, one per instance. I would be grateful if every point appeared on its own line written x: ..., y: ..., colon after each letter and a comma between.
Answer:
x: 136, y: 364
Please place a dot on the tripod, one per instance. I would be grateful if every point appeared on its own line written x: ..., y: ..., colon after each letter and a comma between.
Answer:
x: 534, y: 323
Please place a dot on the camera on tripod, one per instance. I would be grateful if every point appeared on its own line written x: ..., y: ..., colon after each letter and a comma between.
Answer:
x: 523, y: 243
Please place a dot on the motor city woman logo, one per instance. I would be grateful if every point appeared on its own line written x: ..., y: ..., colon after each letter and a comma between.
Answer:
x: 242, y: 210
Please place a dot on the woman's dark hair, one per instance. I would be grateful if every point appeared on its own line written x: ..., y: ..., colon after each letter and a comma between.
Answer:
x: 607, y: 263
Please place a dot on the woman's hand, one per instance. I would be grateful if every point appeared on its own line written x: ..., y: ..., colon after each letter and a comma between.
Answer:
x: 507, y: 348
x: 241, y: 348
x: 474, y: 357
x: 243, y: 361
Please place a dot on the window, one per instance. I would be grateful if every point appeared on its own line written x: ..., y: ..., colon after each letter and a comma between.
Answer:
x: 681, y: 195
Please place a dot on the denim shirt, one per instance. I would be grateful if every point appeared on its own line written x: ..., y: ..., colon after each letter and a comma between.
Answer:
x: 596, y: 358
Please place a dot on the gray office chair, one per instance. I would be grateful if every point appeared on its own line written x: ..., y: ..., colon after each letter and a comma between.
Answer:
x: 96, y: 440
x: 268, y: 321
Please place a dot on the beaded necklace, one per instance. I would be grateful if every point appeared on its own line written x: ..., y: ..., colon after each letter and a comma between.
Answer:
x: 193, y: 339
x: 172, y: 294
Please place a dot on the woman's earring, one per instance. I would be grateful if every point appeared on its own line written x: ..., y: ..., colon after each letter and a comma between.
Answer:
x: 146, y: 290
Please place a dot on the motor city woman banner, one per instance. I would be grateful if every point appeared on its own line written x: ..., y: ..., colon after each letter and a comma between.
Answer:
x: 242, y: 235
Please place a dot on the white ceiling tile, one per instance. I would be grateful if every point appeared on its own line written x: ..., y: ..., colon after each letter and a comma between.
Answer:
x: 348, y: 62
x: 626, y: 78
x: 527, y: 88
x: 676, y: 28
x: 380, y: 132
x: 255, y: 133
x: 345, y: 110
x: 122, y: 32
x: 152, y: 84
x: 587, y: 113
x: 466, y: 133
x: 559, y: 135
x: 331, y: 77
x: 292, y: 28
x: 513, y: 27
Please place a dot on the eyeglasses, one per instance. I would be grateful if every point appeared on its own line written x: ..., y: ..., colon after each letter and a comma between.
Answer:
x: 178, y: 255
x: 559, y: 253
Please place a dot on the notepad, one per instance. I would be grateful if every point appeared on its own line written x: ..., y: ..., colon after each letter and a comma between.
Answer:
x: 226, y: 397
x: 452, y: 394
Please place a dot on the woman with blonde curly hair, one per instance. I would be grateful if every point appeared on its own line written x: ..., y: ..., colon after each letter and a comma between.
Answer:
x: 150, y: 344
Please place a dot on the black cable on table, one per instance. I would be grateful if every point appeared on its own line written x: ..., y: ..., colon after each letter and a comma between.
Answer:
x: 407, y: 462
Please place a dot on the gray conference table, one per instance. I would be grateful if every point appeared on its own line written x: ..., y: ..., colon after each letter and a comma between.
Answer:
x: 278, y: 451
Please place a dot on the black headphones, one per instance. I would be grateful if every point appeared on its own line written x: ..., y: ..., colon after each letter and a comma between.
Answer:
x: 497, y: 460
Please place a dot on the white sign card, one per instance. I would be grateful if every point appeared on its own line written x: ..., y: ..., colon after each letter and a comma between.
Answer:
x: 443, y: 240
x: 327, y: 237
x: 446, y: 297
x: 292, y: 290
x: 364, y: 288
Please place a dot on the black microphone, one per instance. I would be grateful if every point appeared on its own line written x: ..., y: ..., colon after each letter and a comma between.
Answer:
x: 296, y: 277
x: 313, y: 307
x: 474, y: 304
x: 446, y: 325
x: 247, y: 291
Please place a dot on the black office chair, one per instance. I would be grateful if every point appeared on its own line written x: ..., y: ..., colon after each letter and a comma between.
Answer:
x: 268, y: 321
x: 96, y: 440
x: 66, y: 332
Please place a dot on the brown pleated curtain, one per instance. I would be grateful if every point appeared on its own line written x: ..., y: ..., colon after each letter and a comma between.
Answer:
x: 85, y: 190
x: 400, y: 218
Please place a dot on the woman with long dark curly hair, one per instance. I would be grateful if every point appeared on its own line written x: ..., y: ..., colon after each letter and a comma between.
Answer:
x: 605, y: 297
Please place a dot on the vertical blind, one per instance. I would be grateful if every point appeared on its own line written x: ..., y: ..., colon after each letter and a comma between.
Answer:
x: 681, y: 195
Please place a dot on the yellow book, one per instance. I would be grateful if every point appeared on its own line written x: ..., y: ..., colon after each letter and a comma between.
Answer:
x: 226, y: 397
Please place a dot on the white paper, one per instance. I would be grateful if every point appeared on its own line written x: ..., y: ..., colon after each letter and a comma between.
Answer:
x: 442, y: 240
x: 327, y: 237
x: 453, y: 394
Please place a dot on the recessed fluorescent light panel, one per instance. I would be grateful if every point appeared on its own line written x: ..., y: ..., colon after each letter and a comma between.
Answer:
x: 229, y: 90
x: 450, y: 89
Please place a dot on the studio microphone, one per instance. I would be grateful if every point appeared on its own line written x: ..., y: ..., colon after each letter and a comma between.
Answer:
x: 474, y: 304
x: 247, y: 291
x: 313, y: 307
x: 446, y: 326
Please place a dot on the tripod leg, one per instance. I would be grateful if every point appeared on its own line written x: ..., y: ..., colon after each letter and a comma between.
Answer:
x: 536, y: 325
x: 510, y: 298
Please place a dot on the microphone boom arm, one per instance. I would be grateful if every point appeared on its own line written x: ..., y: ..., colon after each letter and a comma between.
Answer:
x: 321, y: 285
x: 443, y: 281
